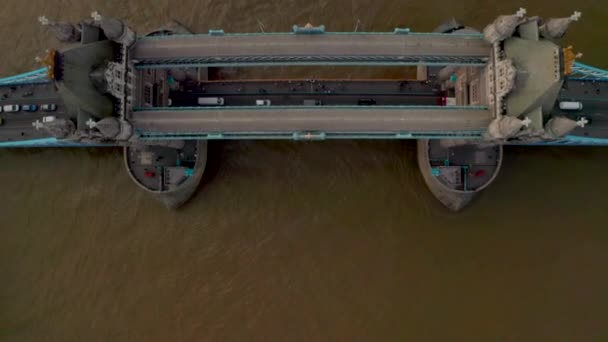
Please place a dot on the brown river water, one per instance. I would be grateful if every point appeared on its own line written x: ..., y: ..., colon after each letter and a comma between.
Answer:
x: 326, y: 241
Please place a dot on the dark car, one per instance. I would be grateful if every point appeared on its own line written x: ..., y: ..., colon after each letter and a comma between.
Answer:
x: 366, y: 102
x: 30, y: 108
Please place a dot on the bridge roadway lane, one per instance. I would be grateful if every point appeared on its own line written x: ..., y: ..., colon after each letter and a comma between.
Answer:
x: 594, y: 97
x: 18, y: 126
x: 319, y: 118
x: 325, y: 45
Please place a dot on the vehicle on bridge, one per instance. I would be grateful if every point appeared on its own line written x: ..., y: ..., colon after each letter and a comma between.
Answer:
x: 570, y: 105
x: 49, y: 107
x: 210, y: 101
x: 366, y: 102
x: 313, y: 102
x: 30, y: 108
x: 47, y: 119
x: 11, y: 108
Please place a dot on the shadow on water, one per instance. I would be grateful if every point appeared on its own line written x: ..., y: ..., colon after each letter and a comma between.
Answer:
x: 215, y: 154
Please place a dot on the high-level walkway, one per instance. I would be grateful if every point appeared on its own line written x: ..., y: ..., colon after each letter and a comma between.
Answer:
x: 199, y: 122
x: 310, y: 49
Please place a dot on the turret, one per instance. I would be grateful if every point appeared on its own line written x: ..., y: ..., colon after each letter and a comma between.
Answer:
x: 504, y: 26
x: 560, y: 126
x: 114, y: 29
x: 112, y: 128
x: 505, y: 127
x: 64, y: 32
x: 555, y: 28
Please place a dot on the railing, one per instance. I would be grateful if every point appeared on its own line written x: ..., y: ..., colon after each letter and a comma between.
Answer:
x: 32, y: 77
x: 314, y: 135
x: 569, y: 140
x: 249, y: 34
x: 49, y: 142
x: 584, y: 71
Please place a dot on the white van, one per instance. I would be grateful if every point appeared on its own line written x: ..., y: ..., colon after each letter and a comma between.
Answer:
x: 262, y: 102
x: 570, y: 105
x: 210, y: 101
x: 11, y: 108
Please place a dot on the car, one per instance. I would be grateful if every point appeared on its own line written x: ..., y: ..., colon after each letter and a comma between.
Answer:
x: 11, y: 108
x: 49, y: 107
x: 262, y: 102
x: 366, y: 102
x: 46, y: 119
x: 210, y: 101
x: 312, y: 102
x: 30, y: 108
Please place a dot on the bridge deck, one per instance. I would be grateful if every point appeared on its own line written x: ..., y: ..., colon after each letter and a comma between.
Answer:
x: 322, y: 48
x: 315, y: 119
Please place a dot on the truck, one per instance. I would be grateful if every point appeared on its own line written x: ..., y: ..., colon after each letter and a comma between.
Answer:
x: 312, y: 102
x: 262, y: 102
x: 210, y: 101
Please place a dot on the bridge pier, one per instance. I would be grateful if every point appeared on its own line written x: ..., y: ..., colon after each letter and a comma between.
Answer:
x: 455, y: 171
x: 172, y: 173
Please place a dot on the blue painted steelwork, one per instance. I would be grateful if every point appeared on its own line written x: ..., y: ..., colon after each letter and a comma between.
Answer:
x: 399, y: 30
x: 582, y: 79
x: 476, y: 135
x: 308, y: 30
x: 48, y: 142
x: 570, y: 140
x: 32, y: 77
x: 584, y: 71
x: 216, y: 32
x: 305, y: 136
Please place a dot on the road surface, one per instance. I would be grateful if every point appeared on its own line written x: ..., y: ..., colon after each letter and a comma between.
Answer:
x: 319, y: 118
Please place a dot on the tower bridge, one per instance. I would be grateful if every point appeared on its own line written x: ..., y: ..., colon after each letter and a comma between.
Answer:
x: 474, y: 92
